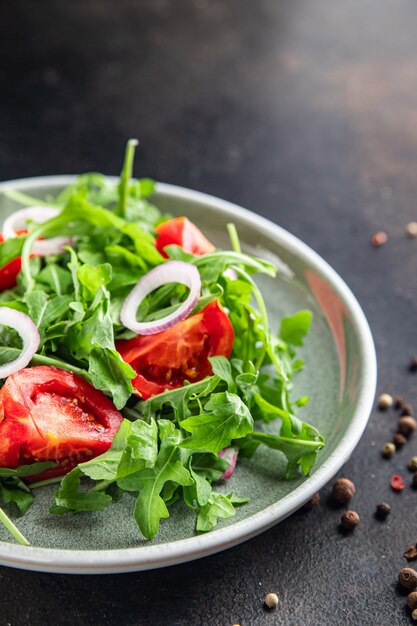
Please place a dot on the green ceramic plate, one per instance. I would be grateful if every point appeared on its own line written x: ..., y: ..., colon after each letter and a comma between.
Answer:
x: 339, y: 377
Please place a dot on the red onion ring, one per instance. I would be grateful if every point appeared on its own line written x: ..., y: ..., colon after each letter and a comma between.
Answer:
x: 37, y: 214
x: 230, y: 455
x: 30, y: 338
x: 169, y: 272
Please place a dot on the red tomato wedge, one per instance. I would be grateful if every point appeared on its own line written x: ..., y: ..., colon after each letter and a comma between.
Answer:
x: 9, y: 272
x: 48, y: 414
x: 166, y: 359
x: 181, y: 232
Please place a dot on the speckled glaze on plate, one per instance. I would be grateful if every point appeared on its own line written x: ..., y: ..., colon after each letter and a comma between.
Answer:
x: 339, y: 377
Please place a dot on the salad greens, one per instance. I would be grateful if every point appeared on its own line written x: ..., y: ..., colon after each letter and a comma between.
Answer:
x: 167, y: 447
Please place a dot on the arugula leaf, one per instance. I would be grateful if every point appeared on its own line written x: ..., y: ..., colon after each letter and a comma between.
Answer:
x: 13, y: 490
x: 199, y: 492
x: 225, y: 417
x: 10, y: 249
x: 55, y: 278
x: 179, y: 399
x: 222, y: 368
x: 150, y: 507
x: 69, y: 498
x: 301, y: 451
x: 218, y: 506
x: 108, y: 371
x: 295, y: 327
x: 92, y: 279
x: 134, y: 447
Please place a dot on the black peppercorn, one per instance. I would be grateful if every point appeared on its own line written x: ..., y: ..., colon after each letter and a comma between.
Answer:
x: 382, y: 510
x: 407, y: 409
x: 412, y: 366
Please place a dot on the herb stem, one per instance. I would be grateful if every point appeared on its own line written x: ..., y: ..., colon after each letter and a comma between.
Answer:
x: 12, y: 528
x: 131, y: 414
x: 264, y: 316
x: 100, y: 486
x: 234, y: 238
x: 23, y: 198
x: 125, y: 176
x: 40, y: 359
x: 47, y: 481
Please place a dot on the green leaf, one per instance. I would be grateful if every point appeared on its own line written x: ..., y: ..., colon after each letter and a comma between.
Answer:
x: 10, y: 249
x: 225, y: 417
x: 209, y: 465
x: 105, y: 466
x: 150, y: 507
x: 134, y: 447
x: 26, y: 470
x: 218, y: 506
x: 69, y: 498
x: 294, y: 328
x: 300, y: 451
x: 14, y: 491
x: 179, y: 399
x: 92, y: 279
x: 108, y: 371
x: 199, y: 492
x: 222, y: 368
x: 57, y: 279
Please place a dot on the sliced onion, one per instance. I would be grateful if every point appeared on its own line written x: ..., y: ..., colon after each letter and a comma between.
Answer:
x: 230, y: 456
x: 169, y: 272
x: 29, y: 335
x: 37, y: 214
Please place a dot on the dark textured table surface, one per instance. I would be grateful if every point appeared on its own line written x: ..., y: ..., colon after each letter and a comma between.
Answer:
x: 305, y: 112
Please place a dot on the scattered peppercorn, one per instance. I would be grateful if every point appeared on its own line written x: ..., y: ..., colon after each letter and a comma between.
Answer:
x: 312, y: 502
x: 412, y: 600
x: 397, y: 482
x: 407, y: 409
x: 388, y: 450
x: 411, y: 553
x: 414, y: 615
x: 343, y: 490
x: 382, y: 510
x: 385, y: 401
x: 379, y: 238
x: 407, y: 425
x: 408, y: 577
x: 412, y: 464
x: 350, y: 519
x: 412, y: 366
x: 398, y: 402
x: 414, y: 483
x: 399, y: 440
x: 411, y: 229
x: 271, y: 600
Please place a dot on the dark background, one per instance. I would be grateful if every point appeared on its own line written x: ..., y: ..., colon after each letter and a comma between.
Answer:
x: 305, y: 112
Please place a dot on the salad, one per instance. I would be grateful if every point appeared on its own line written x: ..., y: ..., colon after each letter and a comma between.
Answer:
x: 136, y: 356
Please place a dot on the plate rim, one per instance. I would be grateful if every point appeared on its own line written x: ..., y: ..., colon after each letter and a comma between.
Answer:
x: 122, y: 560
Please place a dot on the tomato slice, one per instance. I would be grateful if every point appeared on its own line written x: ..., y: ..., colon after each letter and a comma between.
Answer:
x: 181, y: 232
x: 9, y: 272
x: 48, y: 414
x: 166, y: 359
